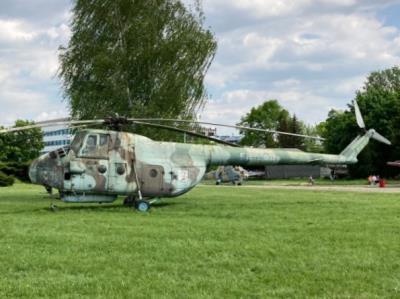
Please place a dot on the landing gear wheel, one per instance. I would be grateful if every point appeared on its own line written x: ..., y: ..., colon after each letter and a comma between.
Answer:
x: 142, y: 205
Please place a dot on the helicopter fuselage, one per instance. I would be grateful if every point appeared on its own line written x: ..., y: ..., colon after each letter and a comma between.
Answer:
x: 100, y: 165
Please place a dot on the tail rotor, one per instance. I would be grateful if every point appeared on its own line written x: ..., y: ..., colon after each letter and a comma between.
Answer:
x: 372, y: 133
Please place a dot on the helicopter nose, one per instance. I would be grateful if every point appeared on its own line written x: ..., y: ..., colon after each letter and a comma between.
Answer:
x: 33, y: 171
x: 47, y: 170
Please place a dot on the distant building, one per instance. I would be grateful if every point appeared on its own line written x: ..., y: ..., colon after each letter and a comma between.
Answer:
x: 296, y: 171
x: 231, y: 139
x: 212, y: 132
x: 55, y: 138
x: 209, y: 132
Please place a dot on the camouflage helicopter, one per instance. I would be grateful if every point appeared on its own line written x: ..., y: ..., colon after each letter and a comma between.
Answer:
x: 99, y: 165
x: 228, y: 173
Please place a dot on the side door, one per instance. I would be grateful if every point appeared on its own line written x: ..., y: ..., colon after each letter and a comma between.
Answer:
x: 90, y: 170
x: 122, y: 175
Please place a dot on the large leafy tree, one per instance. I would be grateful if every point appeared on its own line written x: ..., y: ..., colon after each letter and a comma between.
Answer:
x: 379, y: 102
x: 268, y: 115
x: 271, y: 115
x: 142, y: 58
x: 22, y: 146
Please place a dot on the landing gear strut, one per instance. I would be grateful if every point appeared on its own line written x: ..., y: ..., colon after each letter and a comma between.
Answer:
x: 140, y: 204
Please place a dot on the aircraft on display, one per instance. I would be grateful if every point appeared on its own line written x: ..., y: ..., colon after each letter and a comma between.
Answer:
x: 228, y: 174
x: 99, y: 164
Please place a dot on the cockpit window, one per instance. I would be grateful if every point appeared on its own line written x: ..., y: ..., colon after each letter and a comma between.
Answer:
x: 91, y: 142
x: 103, y: 139
x: 95, y: 145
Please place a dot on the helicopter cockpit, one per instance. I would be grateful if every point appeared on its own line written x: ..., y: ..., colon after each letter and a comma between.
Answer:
x: 95, y: 145
x: 91, y: 144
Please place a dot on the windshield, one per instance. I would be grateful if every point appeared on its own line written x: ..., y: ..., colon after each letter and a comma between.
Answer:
x: 95, y: 145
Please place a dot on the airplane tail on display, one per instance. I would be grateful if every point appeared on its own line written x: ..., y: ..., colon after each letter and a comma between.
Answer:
x: 357, y: 145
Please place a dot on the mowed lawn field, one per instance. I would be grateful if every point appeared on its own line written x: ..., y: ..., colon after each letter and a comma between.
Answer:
x: 214, y: 242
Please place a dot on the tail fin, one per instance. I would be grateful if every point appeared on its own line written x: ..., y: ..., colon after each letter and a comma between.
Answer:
x: 357, y: 145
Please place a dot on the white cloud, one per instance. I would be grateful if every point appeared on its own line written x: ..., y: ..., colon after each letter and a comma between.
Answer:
x: 236, y: 103
x: 311, y: 61
x: 28, y: 65
x: 268, y: 8
x: 13, y: 30
x: 52, y: 115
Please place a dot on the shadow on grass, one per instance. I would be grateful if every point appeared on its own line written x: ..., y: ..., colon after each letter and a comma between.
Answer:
x: 106, y: 207
x: 165, y: 204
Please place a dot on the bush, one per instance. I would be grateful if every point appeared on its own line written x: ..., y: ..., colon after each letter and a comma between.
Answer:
x: 6, y: 180
x: 20, y: 170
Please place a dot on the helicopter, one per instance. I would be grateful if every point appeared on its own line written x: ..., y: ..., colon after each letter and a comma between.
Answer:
x: 100, y: 165
x: 228, y: 173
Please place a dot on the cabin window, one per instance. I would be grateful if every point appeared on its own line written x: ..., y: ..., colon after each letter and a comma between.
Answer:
x: 91, y: 143
x: 96, y: 146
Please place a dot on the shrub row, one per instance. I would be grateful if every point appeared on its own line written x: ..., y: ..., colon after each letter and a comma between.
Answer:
x: 6, y: 180
x: 19, y: 170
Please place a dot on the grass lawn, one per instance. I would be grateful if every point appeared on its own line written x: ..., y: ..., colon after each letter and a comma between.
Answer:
x: 211, y: 243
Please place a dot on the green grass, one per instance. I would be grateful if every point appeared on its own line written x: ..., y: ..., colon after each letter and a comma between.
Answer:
x: 211, y: 243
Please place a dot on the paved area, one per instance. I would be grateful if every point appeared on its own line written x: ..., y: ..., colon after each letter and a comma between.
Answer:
x: 339, y: 188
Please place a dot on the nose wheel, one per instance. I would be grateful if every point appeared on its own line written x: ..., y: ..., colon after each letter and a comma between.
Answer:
x: 142, y: 205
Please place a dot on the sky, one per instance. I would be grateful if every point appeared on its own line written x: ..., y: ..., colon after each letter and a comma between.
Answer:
x: 310, y: 55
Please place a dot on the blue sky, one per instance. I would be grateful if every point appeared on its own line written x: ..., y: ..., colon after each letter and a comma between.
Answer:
x: 311, y: 55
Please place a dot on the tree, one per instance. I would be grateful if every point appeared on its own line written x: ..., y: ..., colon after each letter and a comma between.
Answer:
x: 142, y: 58
x: 16, y: 151
x: 266, y: 116
x: 379, y: 102
x: 290, y: 125
x: 22, y: 146
x: 312, y: 145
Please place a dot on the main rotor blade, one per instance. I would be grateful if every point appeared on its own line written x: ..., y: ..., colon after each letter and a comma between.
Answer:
x: 51, y: 124
x: 359, y: 118
x: 184, y: 131
x: 226, y: 126
x: 64, y: 119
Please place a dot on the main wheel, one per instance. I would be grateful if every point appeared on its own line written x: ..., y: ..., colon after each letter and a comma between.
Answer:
x: 142, y: 205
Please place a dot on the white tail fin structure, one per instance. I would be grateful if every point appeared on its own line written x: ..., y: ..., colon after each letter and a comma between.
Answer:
x: 360, y: 121
x: 353, y: 149
x: 359, y: 118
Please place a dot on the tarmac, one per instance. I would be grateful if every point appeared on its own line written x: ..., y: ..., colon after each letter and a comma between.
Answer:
x: 338, y: 188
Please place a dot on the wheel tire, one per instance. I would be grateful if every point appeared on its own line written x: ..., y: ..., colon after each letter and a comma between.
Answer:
x: 142, y: 205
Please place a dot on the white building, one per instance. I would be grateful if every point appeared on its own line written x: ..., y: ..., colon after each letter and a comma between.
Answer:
x: 56, y: 137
